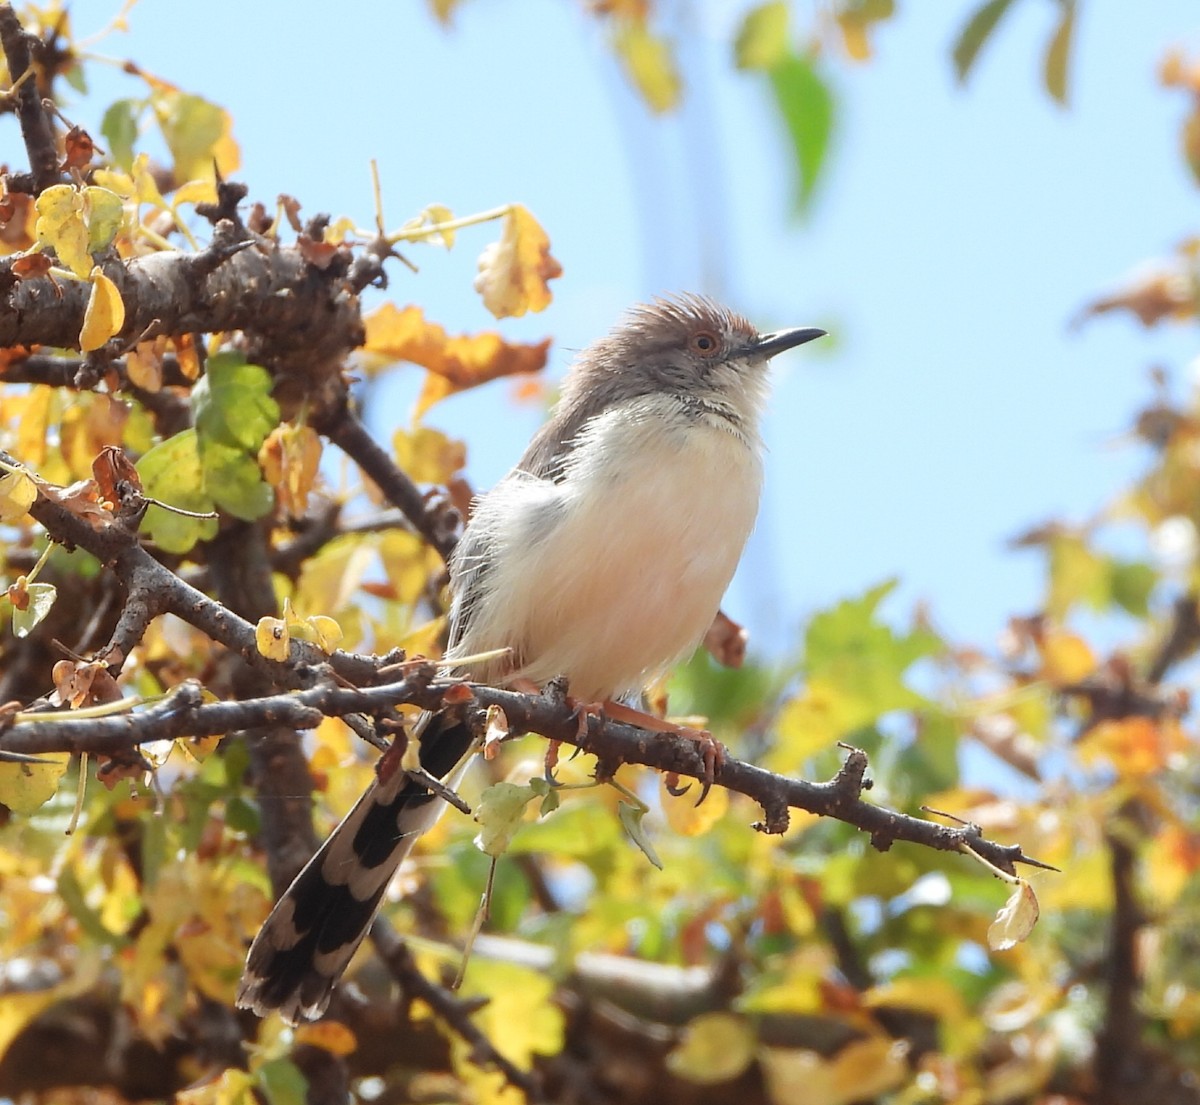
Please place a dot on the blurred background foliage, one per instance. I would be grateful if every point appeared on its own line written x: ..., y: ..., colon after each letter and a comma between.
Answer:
x: 806, y: 969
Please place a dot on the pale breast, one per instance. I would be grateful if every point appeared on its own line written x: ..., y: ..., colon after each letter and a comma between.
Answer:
x: 623, y: 564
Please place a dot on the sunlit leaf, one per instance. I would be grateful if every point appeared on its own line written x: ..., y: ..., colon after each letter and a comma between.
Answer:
x: 120, y: 129
x: 197, y: 132
x: 105, y: 313
x: 455, y: 362
x: 172, y: 473
x: 25, y: 788
x: 715, y: 1048
x: 290, y: 458
x: 1015, y: 920
x: 514, y: 272
x: 17, y: 494
x: 428, y: 455
x: 499, y: 812
x: 40, y: 600
x: 232, y: 402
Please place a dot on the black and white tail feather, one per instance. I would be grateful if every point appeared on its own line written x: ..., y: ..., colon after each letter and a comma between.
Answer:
x: 314, y: 930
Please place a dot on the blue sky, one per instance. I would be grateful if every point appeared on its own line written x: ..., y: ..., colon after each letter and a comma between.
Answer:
x: 955, y: 235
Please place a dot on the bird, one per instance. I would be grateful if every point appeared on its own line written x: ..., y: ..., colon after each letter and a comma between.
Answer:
x: 602, y: 557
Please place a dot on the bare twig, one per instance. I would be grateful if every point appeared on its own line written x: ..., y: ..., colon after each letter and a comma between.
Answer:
x: 438, y: 525
x: 36, y: 129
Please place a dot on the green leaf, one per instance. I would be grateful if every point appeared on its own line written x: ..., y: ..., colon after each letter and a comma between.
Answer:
x: 232, y: 402
x: 234, y: 481
x: 105, y: 211
x: 762, y: 39
x: 499, y: 812
x: 71, y: 891
x: 75, y: 77
x: 1077, y: 574
x: 41, y: 599
x: 849, y: 645
x: 631, y: 821
x: 1058, y: 54
x: 191, y: 127
x: 120, y: 130
x: 806, y: 105
x: 282, y: 1082
x: 1131, y: 584
x: 172, y: 472
x: 976, y: 32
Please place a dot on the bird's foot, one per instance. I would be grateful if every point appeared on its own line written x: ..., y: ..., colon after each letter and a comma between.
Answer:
x: 711, y: 750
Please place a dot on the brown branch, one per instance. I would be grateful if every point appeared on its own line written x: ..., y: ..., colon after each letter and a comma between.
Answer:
x: 1181, y: 639
x: 613, y: 743
x: 1118, y: 1050
x: 116, y: 545
x: 297, y: 319
x: 36, y: 129
x: 438, y: 524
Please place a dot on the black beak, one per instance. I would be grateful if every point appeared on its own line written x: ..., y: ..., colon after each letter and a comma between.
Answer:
x: 768, y: 345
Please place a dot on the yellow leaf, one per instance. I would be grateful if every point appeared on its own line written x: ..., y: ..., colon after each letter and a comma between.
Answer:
x: 520, y: 1018
x: 866, y: 1069
x: 428, y: 455
x: 861, y: 1071
x: 195, y: 191
x: 1066, y: 657
x: 936, y: 996
x: 41, y: 407
x: 514, y: 271
x: 326, y: 631
x: 648, y: 63
x: 18, y: 1009
x: 17, y: 495
x: 103, y: 211
x: 272, y: 638
x: 105, y: 314
x: 232, y: 1087
x: 1171, y: 860
x: 715, y: 1048
x: 814, y: 721
x: 329, y: 580
x: 762, y: 40
x: 61, y: 225
x: 25, y: 788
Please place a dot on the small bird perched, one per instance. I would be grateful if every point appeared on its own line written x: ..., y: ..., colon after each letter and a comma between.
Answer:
x: 602, y: 557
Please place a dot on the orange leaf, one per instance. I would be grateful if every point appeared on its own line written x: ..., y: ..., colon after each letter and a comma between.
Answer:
x: 1135, y: 746
x: 514, y: 271
x: 457, y: 363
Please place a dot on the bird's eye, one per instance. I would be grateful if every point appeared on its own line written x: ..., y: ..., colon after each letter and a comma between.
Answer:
x: 705, y: 343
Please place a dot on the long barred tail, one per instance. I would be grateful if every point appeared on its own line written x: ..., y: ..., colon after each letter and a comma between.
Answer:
x: 313, y: 931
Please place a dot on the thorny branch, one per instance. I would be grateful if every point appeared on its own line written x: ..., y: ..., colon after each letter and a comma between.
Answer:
x: 184, y: 714
x: 35, y: 123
